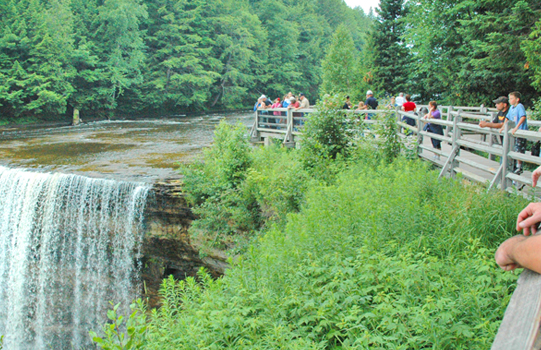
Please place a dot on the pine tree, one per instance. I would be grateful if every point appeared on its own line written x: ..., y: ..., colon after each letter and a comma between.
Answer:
x: 181, y: 67
x: 391, y: 56
x: 340, y: 64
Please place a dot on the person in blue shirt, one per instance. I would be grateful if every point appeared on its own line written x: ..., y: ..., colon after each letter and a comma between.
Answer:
x: 517, y: 113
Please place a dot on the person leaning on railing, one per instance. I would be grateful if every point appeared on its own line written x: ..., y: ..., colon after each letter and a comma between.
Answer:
x: 502, y: 105
x: 524, y: 250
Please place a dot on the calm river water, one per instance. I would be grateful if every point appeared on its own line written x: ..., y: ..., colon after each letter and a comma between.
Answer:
x: 146, y: 150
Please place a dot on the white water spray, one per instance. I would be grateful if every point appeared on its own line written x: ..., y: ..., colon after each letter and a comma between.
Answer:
x: 68, y: 246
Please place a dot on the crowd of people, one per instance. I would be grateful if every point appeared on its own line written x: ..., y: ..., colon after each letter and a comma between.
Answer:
x: 519, y: 251
x: 289, y: 101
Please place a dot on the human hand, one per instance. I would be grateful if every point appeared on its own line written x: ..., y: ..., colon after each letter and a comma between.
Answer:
x: 482, y: 123
x: 528, y: 219
x: 504, y: 254
x: 514, y: 131
x: 535, y: 176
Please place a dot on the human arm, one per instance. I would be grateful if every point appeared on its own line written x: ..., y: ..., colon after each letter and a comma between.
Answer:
x: 535, y: 176
x: 520, y: 251
x: 503, y: 125
x: 485, y: 124
x: 528, y: 219
x: 520, y: 122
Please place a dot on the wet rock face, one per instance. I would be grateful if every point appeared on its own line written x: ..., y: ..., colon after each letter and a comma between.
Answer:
x: 167, y: 248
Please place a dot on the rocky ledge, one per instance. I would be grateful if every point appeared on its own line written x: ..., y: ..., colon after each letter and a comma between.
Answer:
x: 167, y: 247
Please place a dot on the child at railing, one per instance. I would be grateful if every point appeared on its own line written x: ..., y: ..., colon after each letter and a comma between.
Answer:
x: 517, y: 113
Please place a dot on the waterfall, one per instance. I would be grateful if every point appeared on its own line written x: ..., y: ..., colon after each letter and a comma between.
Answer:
x: 68, y: 245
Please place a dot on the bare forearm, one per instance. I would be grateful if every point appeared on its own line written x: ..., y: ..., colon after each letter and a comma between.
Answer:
x: 525, y: 251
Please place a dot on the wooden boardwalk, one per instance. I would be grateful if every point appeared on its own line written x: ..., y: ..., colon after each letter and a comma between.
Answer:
x: 479, y: 156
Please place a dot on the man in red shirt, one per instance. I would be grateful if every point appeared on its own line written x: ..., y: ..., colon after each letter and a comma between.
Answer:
x: 409, y: 106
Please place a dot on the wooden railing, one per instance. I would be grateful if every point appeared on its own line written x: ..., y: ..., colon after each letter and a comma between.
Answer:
x: 479, y: 155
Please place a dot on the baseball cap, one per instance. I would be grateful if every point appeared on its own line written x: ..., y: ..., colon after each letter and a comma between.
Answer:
x: 262, y: 96
x: 369, y: 92
x: 501, y: 99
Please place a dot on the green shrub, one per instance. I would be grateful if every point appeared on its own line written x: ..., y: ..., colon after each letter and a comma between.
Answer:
x: 389, y: 257
x: 213, y: 186
x: 278, y: 181
x: 122, y: 333
x: 328, y: 138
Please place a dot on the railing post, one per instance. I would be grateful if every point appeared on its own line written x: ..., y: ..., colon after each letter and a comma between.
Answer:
x: 449, y: 118
x: 491, y: 139
x: 254, y: 134
x: 290, y: 122
x: 505, y: 159
x: 419, y: 135
x: 456, y: 136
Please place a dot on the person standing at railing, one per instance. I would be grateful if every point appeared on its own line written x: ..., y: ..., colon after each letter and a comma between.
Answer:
x: 276, y: 104
x: 400, y: 100
x: 434, y: 113
x: 370, y: 103
x: 517, y: 113
x: 304, y: 102
x: 409, y: 107
x: 502, y: 105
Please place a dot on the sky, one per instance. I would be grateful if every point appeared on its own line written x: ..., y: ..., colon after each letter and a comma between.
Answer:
x: 365, y: 4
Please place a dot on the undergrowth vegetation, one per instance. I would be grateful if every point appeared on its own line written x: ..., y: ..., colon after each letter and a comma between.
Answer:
x: 384, y: 256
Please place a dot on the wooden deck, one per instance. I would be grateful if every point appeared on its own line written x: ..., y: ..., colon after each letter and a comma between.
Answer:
x: 479, y: 156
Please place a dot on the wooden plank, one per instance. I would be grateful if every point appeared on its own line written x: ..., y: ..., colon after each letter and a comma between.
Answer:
x: 471, y: 176
x: 521, y: 178
x: 497, y: 177
x: 449, y: 161
x: 476, y: 165
x: 520, y: 326
x: 433, y: 150
x: 271, y: 131
x: 530, y: 135
x: 525, y: 157
x: 478, y: 129
x: 436, y: 136
x: 439, y: 122
x: 478, y: 147
x: 407, y: 126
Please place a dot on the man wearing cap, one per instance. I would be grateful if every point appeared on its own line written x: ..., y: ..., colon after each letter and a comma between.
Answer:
x: 502, y: 105
x: 370, y: 103
x: 304, y: 102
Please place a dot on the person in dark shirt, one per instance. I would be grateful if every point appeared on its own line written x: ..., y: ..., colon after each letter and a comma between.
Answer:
x: 502, y: 105
x: 370, y: 103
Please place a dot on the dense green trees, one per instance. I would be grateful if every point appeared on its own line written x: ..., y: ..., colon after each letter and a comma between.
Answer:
x: 107, y: 57
x: 391, y: 56
x: 469, y: 52
x: 161, y: 56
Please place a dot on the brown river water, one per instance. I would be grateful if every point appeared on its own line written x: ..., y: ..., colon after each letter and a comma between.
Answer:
x: 146, y: 150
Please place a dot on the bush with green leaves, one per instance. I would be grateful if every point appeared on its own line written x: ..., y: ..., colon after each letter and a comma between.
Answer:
x: 212, y: 186
x: 123, y: 333
x: 328, y: 137
x: 389, y: 257
x: 387, y: 140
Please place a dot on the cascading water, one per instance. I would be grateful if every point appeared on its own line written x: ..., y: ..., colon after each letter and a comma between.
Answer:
x: 68, y: 246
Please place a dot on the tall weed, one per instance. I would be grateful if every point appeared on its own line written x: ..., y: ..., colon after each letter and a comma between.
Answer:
x: 389, y: 257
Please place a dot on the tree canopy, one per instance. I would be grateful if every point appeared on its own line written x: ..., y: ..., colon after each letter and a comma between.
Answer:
x: 107, y: 57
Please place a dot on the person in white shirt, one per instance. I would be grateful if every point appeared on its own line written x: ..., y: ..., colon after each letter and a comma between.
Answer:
x: 400, y: 100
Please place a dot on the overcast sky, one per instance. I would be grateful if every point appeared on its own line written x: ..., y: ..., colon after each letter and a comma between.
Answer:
x: 365, y: 4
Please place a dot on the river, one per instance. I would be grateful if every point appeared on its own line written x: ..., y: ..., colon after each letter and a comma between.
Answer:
x: 143, y: 150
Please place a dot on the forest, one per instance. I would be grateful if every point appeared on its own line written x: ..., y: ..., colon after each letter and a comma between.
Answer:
x: 111, y: 58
